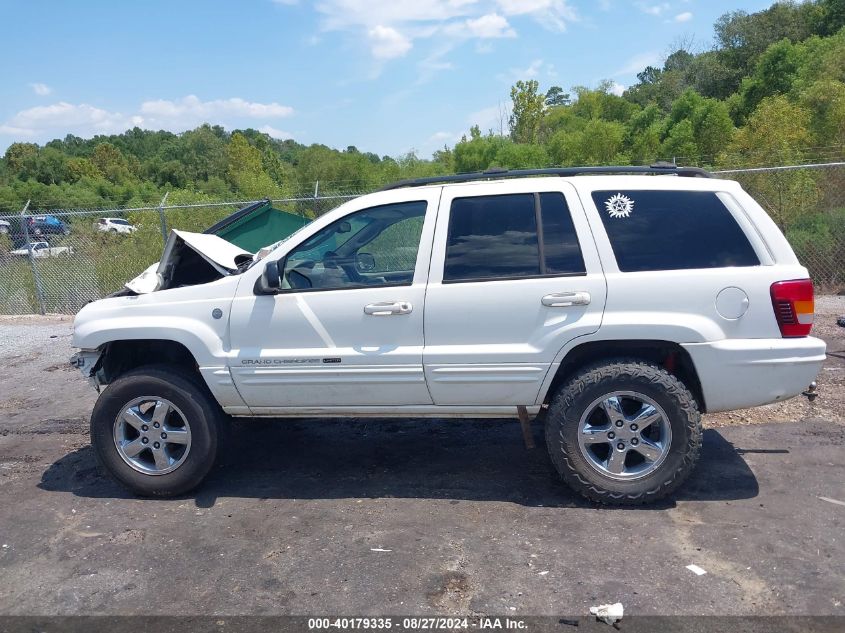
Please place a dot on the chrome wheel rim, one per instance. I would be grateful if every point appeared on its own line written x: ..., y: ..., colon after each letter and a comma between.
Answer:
x: 152, y: 435
x: 624, y: 435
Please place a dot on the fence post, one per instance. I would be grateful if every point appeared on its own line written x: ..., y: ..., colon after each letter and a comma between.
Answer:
x: 162, y: 218
x: 39, y: 290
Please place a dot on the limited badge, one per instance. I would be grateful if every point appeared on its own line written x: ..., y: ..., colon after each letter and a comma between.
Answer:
x: 619, y: 206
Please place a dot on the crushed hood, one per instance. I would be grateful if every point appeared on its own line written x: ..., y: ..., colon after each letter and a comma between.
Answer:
x: 188, y: 259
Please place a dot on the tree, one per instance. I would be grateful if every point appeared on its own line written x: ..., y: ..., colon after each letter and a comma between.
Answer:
x: 825, y: 100
x: 479, y: 152
x: 245, y: 170
x: 643, y: 135
x: 775, y: 72
x: 555, y: 96
x: 697, y: 128
x: 776, y: 133
x: 831, y: 17
x: 710, y: 75
x: 20, y: 158
x: 110, y: 163
x: 527, y: 112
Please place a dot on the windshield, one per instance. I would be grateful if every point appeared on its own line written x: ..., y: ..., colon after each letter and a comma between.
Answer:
x: 123, y: 222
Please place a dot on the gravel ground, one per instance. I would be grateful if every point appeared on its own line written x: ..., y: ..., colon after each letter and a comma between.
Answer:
x: 413, y: 516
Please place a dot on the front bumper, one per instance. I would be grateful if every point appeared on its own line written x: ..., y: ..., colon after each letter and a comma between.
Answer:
x: 742, y: 373
x: 88, y: 363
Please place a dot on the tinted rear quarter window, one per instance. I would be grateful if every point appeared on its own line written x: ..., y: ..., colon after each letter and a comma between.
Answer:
x: 672, y: 230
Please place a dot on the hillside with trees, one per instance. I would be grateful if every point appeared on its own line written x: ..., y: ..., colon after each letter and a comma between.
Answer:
x: 771, y: 90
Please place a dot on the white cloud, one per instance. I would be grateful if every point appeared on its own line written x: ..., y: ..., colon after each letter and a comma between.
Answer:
x: 489, y: 26
x: 42, y: 90
x: 387, y: 43
x: 16, y: 132
x: 686, y: 16
x: 655, y: 9
x: 550, y: 13
x: 439, y: 139
x: 65, y: 117
x: 617, y: 88
x: 190, y: 111
x: 344, y: 14
x: 534, y: 70
x: 275, y: 132
x: 637, y: 63
x: 491, y: 118
x: 396, y: 24
x: 178, y: 115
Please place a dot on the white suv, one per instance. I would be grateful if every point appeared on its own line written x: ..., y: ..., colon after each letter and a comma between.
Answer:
x: 617, y: 304
x: 114, y: 225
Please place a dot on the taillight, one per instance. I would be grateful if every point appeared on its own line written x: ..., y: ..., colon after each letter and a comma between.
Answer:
x: 794, y: 306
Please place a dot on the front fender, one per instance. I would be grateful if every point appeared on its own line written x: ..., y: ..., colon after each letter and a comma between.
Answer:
x: 195, y: 316
x: 204, y: 343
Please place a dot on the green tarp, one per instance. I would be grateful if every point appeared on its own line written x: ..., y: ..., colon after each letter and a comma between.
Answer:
x: 258, y: 225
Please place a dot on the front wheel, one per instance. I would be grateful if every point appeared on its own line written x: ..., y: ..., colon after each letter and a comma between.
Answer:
x: 155, y: 431
x: 624, y: 432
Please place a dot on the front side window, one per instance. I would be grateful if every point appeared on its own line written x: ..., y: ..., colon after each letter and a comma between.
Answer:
x: 511, y: 236
x: 672, y: 230
x: 373, y: 247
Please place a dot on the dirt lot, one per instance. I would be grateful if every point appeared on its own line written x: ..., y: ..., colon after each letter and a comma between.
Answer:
x: 367, y: 517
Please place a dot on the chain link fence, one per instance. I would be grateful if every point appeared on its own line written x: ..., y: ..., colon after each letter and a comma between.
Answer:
x: 77, y: 256
x: 808, y: 204
x: 80, y: 255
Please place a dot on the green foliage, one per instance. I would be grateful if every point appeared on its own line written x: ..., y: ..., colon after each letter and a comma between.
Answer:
x: 773, y: 86
x: 527, y: 111
x: 818, y: 240
x: 555, y: 96
x: 697, y: 127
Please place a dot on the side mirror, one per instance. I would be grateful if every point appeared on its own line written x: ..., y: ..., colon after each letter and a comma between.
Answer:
x: 270, y: 280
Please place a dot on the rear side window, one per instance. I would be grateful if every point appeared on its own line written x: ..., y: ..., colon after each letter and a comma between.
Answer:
x: 672, y: 230
x: 511, y: 236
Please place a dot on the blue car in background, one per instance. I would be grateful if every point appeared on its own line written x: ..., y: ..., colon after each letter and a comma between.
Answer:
x: 43, y: 224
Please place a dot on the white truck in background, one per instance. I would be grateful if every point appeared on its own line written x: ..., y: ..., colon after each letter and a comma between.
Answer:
x: 42, y: 250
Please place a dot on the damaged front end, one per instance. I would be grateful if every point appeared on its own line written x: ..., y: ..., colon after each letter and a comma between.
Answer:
x: 88, y: 362
x: 190, y: 259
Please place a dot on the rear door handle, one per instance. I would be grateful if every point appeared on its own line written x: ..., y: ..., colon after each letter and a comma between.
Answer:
x: 388, y: 308
x: 566, y: 299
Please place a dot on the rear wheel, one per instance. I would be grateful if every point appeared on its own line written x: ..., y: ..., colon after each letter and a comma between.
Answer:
x: 155, y: 431
x: 624, y: 432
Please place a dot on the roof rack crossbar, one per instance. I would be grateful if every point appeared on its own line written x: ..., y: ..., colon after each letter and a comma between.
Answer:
x: 496, y: 173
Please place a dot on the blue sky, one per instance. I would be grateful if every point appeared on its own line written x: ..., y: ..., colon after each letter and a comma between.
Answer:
x: 385, y: 75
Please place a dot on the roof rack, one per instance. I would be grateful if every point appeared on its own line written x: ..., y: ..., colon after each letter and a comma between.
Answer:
x: 496, y: 173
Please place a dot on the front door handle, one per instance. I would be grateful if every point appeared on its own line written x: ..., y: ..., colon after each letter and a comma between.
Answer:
x: 566, y: 299
x: 388, y: 308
